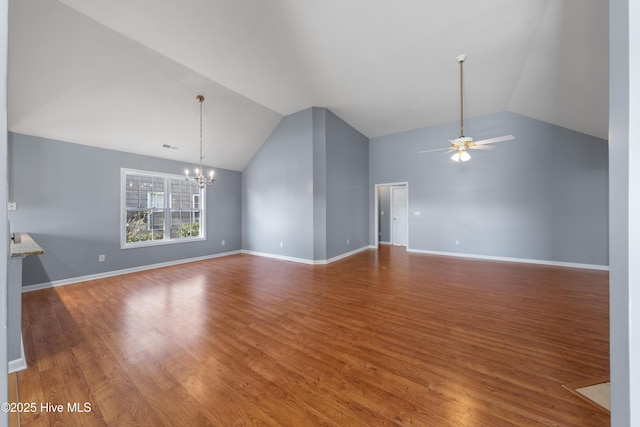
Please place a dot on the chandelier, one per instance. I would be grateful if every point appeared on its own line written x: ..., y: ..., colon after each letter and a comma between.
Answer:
x: 200, y: 178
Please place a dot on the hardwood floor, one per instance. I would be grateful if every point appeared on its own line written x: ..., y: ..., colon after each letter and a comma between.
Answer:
x: 14, y: 415
x: 380, y: 338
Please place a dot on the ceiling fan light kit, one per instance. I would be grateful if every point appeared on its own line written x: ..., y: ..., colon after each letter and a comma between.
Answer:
x: 460, y: 145
x: 460, y: 156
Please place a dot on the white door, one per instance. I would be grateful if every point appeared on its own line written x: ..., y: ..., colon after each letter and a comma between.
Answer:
x: 399, y: 216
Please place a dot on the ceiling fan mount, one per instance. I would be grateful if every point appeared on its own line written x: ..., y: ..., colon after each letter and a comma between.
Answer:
x: 460, y: 145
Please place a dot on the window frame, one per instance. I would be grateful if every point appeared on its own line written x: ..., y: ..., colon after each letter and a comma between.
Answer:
x: 167, y: 210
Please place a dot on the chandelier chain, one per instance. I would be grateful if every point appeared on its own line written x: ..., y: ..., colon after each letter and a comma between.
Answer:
x: 201, y: 101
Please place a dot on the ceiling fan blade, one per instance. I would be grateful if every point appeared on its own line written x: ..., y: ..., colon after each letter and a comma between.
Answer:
x: 437, y: 149
x: 496, y: 139
x: 482, y: 147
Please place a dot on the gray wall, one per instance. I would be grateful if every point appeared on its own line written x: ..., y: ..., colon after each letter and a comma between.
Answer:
x: 347, y: 182
x: 68, y: 199
x: 319, y: 183
x: 543, y: 196
x: 277, y: 191
x: 4, y: 235
x: 307, y: 187
x: 624, y: 152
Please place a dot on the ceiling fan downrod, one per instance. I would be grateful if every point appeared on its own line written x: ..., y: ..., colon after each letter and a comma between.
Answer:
x: 461, y: 59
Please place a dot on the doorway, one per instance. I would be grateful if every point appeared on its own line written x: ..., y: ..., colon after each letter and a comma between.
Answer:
x: 391, y: 225
x: 398, y: 215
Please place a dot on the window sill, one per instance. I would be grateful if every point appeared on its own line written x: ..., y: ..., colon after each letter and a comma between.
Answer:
x: 161, y: 242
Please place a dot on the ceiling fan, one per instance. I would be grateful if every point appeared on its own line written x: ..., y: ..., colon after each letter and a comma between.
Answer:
x: 462, y: 144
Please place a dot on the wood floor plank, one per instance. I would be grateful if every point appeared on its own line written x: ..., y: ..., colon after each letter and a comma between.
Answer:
x: 383, y: 337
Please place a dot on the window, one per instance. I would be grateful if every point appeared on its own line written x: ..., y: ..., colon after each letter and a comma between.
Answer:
x: 150, y: 218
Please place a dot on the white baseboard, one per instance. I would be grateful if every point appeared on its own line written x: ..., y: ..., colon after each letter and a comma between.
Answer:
x: 79, y: 279
x: 304, y: 260
x: 346, y: 255
x: 20, y: 363
x: 279, y: 257
x: 509, y: 259
x: 64, y: 282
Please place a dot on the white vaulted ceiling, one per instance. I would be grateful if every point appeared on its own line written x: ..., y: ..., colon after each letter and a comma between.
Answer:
x: 124, y: 74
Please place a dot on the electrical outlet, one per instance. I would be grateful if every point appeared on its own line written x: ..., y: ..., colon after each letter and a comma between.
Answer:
x: 223, y: 243
x: 101, y: 258
x: 457, y: 242
x: 281, y: 244
x: 347, y: 241
x: 12, y: 206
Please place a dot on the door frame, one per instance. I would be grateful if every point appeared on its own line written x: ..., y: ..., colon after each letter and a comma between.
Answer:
x: 376, y: 208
